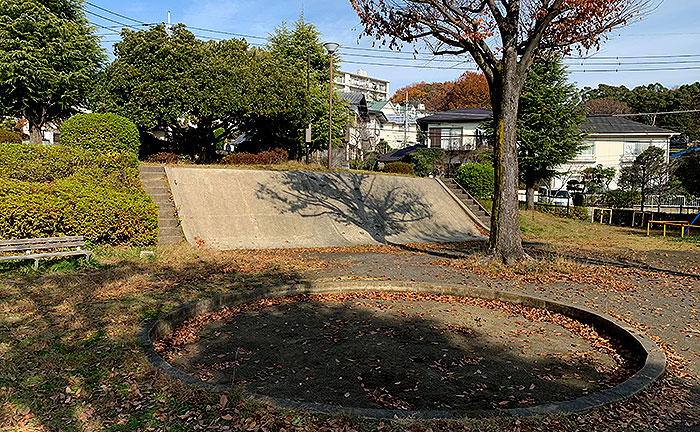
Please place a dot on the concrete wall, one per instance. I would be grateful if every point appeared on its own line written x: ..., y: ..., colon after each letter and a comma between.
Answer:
x: 249, y: 209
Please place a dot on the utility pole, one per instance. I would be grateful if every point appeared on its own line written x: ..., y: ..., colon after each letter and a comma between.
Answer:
x: 307, y: 137
x: 331, y: 47
x: 405, y: 123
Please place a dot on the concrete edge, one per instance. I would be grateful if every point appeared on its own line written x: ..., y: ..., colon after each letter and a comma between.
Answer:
x: 640, y: 345
x: 466, y: 209
x: 176, y: 203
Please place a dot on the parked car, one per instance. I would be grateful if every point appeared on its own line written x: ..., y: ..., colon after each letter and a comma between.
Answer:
x: 561, y: 197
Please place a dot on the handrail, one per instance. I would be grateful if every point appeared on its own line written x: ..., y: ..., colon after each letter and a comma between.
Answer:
x: 478, y: 204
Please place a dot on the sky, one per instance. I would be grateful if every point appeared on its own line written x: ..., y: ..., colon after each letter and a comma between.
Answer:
x: 667, y: 39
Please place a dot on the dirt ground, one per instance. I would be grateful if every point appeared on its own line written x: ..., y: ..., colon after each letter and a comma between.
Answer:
x: 390, y: 352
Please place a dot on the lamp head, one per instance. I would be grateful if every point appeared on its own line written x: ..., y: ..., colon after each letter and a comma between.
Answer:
x: 331, y: 47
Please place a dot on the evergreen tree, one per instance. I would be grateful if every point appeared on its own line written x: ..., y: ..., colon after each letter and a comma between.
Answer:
x: 49, y: 57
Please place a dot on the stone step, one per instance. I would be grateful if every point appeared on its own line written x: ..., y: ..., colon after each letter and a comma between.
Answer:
x: 151, y: 184
x: 169, y: 240
x: 169, y: 231
x: 169, y: 222
x: 147, y: 169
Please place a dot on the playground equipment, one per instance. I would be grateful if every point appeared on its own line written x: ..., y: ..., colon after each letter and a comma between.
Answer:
x: 685, y: 226
x: 602, y: 211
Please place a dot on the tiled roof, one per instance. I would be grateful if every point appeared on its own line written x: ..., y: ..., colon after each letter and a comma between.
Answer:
x: 354, y: 98
x: 605, y: 124
x: 458, y: 115
x: 399, y: 154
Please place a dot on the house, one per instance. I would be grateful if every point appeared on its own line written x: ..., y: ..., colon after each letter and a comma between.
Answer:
x: 457, y: 129
x: 400, y: 127
x: 613, y: 142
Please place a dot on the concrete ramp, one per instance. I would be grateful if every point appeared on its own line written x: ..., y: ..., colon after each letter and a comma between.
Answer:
x: 249, y: 209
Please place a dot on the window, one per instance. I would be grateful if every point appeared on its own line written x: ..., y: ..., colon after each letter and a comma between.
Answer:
x: 587, y: 152
x: 635, y: 148
x: 447, y: 138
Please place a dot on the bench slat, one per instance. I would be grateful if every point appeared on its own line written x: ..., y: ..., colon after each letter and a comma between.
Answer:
x: 17, y: 242
x: 44, y: 246
x: 45, y: 255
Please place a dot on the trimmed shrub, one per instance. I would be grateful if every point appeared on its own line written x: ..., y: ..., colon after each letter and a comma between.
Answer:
x: 10, y: 137
x: 67, y: 207
x: 477, y: 179
x: 106, y: 133
x: 44, y: 164
x: 427, y: 161
x: 398, y: 168
x: 270, y: 157
x: 621, y: 199
x: 48, y: 191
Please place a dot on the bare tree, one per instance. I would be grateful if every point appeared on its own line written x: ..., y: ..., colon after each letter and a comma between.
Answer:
x: 503, y: 37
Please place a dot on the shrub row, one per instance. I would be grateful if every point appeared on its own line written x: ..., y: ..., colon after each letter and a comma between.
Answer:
x: 573, y: 212
x: 103, y: 132
x: 169, y: 158
x: 10, y: 137
x: 398, y: 168
x: 270, y: 157
x: 43, y: 164
x: 68, y: 207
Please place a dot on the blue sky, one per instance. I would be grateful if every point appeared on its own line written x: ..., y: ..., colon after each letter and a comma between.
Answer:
x: 671, y: 31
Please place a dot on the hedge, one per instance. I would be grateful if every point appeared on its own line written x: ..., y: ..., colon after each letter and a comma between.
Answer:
x: 427, y: 161
x: 10, y: 137
x: 66, y: 207
x: 43, y: 164
x: 102, y: 132
x: 270, y: 157
x: 48, y: 191
x: 398, y: 168
x: 578, y: 213
x: 622, y: 199
x: 477, y: 179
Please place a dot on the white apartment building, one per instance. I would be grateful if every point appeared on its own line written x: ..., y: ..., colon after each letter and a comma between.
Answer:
x: 374, y: 89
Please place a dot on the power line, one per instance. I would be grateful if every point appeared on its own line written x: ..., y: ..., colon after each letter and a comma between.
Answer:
x: 114, y: 13
x: 114, y: 21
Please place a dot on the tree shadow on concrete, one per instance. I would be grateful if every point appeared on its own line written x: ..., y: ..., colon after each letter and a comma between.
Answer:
x: 413, y: 357
x: 355, y: 199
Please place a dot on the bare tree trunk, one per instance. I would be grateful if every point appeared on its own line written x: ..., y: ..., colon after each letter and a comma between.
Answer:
x: 505, y: 242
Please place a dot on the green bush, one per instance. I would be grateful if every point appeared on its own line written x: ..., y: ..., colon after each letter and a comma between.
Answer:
x: 102, y: 132
x: 43, y: 164
x: 398, y: 168
x: 10, y: 137
x: 621, y: 199
x: 67, y: 207
x: 477, y: 179
x: 47, y: 191
x: 427, y: 161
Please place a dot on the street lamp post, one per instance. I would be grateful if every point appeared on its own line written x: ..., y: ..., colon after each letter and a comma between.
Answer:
x: 331, y: 47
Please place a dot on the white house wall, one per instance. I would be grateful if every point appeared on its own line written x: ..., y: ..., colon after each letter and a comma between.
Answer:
x: 608, y: 152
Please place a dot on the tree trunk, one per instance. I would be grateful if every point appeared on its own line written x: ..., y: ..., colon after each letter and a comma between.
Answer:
x: 35, y: 135
x: 505, y: 242
x: 530, y: 195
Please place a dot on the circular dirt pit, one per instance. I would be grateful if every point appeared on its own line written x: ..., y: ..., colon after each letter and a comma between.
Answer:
x: 398, y: 351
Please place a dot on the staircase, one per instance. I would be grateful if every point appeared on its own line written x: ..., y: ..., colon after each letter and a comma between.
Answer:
x: 472, y: 204
x: 155, y: 183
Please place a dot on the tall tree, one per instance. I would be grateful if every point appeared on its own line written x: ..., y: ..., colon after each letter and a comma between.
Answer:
x: 549, y: 119
x: 49, y: 57
x: 648, y: 172
x: 687, y: 172
x: 503, y: 37
x: 470, y: 90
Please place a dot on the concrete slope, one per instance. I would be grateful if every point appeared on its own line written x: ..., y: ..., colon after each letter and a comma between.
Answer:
x: 248, y: 209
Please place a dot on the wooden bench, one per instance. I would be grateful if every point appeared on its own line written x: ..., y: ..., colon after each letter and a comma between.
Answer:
x: 30, y: 247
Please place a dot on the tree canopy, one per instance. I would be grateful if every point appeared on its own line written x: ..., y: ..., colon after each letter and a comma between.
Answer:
x: 49, y: 57
x: 470, y: 90
x: 503, y: 38
x: 648, y: 172
x: 688, y: 172
x: 549, y: 124
x: 652, y: 98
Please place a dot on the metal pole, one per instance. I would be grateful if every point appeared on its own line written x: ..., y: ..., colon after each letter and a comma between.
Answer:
x: 307, y: 135
x: 330, y: 119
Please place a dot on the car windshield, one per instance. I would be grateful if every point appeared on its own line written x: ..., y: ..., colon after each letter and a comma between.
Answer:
x: 561, y: 194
